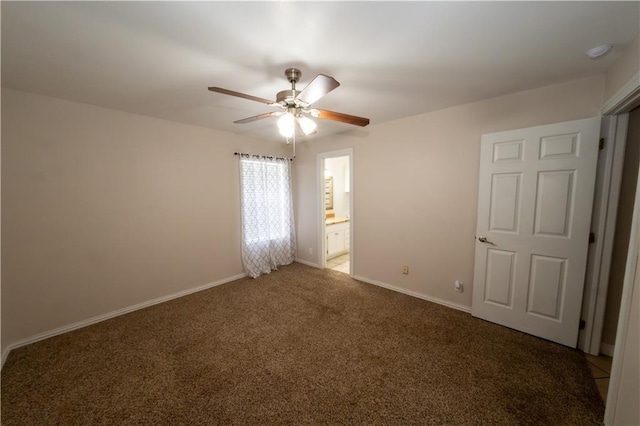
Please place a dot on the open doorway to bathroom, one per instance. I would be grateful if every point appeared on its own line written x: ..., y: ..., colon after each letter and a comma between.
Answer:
x: 336, y: 219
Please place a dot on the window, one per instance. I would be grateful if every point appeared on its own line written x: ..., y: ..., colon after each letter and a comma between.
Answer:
x: 268, y: 235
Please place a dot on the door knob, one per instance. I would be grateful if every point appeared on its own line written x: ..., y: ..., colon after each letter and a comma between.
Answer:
x: 483, y: 239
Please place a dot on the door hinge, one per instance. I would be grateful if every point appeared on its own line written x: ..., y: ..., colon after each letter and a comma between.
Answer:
x: 601, y: 144
x: 592, y: 238
x: 582, y: 324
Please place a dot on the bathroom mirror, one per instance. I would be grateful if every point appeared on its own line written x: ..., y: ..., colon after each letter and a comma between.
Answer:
x: 328, y: 193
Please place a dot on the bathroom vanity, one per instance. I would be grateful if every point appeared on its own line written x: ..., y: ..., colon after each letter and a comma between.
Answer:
x: 338, y: 236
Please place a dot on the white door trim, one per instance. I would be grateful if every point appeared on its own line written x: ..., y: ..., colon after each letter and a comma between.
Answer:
x: 606, y: 213
x: 617, y: 107
x: 320, y: 206
x: 627, y: 98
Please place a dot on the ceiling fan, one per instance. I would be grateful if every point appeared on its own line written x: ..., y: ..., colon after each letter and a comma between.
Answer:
x: 295, y: 105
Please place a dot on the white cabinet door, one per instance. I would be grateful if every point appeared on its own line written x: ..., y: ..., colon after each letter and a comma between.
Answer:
x: 335, y: 242
x: 534, y: 211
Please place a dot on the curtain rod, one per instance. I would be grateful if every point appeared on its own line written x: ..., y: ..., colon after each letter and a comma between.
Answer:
x: 263, y: 156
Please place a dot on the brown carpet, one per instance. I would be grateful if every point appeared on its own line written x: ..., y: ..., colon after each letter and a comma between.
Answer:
x: 298, y: 346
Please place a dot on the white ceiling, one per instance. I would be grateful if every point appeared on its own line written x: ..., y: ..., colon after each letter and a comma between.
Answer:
x: 392, y: 59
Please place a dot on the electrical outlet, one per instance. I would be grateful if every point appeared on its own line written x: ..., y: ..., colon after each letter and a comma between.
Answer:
x: 405, y: 270
x: 459, y: 286
x: 310, y: 250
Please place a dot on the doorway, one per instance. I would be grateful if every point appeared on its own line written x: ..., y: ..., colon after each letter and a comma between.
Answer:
x: 336, y: 216
x: 611, y: 226
x: 622, y: 233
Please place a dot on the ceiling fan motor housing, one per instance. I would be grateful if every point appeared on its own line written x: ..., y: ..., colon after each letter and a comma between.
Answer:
x: 287, y: 97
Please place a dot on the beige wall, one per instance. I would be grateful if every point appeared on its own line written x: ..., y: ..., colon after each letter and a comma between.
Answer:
x: 103, y: 210
x: 416, y: 182
x: 623, y: 228
x: 623, y: 69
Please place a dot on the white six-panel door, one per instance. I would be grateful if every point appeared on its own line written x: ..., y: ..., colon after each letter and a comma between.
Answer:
x: 534, y: 211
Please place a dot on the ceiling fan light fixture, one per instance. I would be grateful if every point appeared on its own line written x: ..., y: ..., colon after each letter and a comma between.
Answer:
x: 286, y: 125
x: 294, y: 103
x: 599, y: 51
x: 307, y: 125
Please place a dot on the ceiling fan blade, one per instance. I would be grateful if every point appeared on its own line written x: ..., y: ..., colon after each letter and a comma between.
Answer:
x: 319, y: 86
x: 338, y: 116
x: 259, y: 117
x: 240, y: 95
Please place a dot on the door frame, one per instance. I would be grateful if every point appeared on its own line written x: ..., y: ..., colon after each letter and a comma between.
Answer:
x: 625, y: 100
x: 616, y: 109
x: 322, y: 249
x: 605, y: 211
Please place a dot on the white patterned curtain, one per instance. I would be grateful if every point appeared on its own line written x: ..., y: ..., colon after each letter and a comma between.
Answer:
x: 268, y: 233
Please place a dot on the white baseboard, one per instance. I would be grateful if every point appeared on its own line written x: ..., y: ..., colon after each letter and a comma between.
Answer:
x: 162, y: 299
x: 606, y: 349
x: 304, y: 262
x: 99, y: 318
x: 443, y: 302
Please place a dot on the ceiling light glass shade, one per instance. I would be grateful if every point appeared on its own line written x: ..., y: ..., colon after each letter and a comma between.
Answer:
x: 599, y: 51
x: 307, y: 125
x: 286, y: 125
